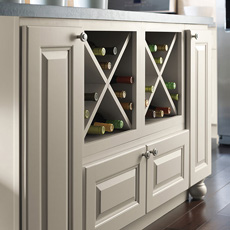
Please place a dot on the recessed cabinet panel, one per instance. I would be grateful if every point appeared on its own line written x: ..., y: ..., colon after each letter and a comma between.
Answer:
x: 199, y: 114
x: 202, y: 71
x: 168, y: 167
x: 55, y: 136
x: 167, y: 172
x: 124, y: 185
x: 115, y: 191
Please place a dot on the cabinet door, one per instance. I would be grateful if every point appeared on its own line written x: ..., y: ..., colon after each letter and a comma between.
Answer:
x: 115, y: 191
x: 167, y: 172
x: 198, y: 103
x: 52, y: 127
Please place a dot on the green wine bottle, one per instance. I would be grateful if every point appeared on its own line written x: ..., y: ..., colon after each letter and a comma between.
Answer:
x: 170, y: 85
x: 158, y: 60
x: 149, y: 89
x: 175, y: 97
x: 153, y: 48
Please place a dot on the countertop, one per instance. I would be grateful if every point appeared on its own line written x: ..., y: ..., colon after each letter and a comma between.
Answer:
x: 41, y: 11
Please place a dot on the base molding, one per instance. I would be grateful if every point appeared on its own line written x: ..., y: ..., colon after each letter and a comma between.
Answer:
x: 154, y: 215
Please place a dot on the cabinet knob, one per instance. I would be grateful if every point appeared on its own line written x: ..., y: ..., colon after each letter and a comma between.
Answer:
x: 195, y: 36
x: 154, y: 152
x: 146, y: 155
x: 83, y: 37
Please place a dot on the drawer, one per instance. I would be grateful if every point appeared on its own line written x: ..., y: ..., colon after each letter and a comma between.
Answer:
x: 168, y: 171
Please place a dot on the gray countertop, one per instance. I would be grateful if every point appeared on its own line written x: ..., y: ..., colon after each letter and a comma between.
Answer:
x: 24, y: 10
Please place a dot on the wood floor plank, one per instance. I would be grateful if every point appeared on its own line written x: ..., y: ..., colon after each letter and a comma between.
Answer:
x: 225, y: 211
x: 204, y: 212
x: 174, y: 215
x: 217, y: 223
x: 218, y: 181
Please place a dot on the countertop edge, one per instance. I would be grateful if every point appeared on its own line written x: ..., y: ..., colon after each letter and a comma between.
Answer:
x: 41, y: 11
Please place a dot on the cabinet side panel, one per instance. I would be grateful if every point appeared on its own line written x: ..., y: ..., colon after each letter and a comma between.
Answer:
x: 9, y: 123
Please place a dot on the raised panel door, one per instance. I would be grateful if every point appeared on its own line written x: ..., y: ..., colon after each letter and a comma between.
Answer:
x: 52, y: 128
x: 115, y: 190
x: 198, y: 103
x: 168, y: 170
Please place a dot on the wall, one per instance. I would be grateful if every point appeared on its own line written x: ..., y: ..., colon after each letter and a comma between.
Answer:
x: 182, y: 3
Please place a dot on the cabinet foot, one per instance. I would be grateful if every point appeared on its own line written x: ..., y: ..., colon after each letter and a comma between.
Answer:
x: 198, y: 191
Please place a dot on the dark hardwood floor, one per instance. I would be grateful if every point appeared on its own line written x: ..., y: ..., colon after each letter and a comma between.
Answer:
x: 211, y: 213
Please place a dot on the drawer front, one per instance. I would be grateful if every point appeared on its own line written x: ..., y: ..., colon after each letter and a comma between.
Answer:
x: 115, y: 191
x: 167, y: 172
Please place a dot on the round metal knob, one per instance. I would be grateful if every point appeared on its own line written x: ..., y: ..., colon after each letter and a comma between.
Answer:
x: 83, y: 37
x: 195, y: 36
x: 154, y: 152
x: 146, y: 154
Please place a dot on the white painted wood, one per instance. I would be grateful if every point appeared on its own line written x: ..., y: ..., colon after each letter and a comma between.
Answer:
x: 115, y: 190
x: 167, y: 172
x: 123, y: 184
x: 9, y: 123
x: 199, y: 104
x: 52, y: 152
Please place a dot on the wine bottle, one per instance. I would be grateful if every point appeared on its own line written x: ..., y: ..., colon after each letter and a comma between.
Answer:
x: 96, y: 130
x: 86, y: 113
x: 111, y: 50
x: 98, y: 51
x: 118, y: 124
x: 120, y: 94
x: 91, y: 96
x: 175, y: 97
x: 167, y: 110
x: 149, y: 89
x: 163, y: 47
x: 159, y: 113
x: 122, y: 79
x: 127, y: 105
x: 105, y: 65
x: 170, y: 85
x: 108, y: 127
x: 150, y: 114
x: 146, y: 103
x: 153, y: 48
x: 158, y: 60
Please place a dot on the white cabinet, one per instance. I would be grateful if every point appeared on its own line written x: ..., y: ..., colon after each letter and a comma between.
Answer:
x: 52, y: 78
x: 199, y: 103
x: 138, y: 172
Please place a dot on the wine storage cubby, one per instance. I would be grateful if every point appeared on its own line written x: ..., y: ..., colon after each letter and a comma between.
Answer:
x: 109, y: 60
x: 163, y: 72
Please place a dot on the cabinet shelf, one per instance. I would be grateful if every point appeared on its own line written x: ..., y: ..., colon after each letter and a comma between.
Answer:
x: 158, y: 74
x: 108, y: 105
